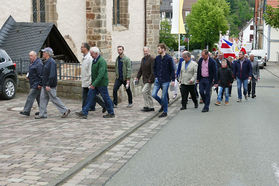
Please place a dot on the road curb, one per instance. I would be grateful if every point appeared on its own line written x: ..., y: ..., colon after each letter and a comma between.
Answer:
x: 79, y: 166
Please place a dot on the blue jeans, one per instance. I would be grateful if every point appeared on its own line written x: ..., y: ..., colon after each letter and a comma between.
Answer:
x: 91, y: 99
x: 205, y: 88
x: 220, y: 92
x: 239, y: 85
x: 163, y: 101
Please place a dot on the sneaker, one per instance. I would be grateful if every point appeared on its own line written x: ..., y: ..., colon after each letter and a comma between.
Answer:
x: 130, y: 105
x: 246, y: 98
x: 226, y: 103
x: 81, y: 115
x: 37, y: 113
x: 163, y: 115
x: 25, y: 113
x: 174, y: 96
x: 238, y: 100
x: 40, y: 117
x: 66, y: 113
x: 109, y: 116
x: 253, y: 96
x: 205, y: 110
x: 183, y: 108
x: 114, y: 106
x: 218, y: 103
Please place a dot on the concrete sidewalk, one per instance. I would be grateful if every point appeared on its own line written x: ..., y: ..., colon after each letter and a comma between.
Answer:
x: 36, y: 152
x: 273, y: 67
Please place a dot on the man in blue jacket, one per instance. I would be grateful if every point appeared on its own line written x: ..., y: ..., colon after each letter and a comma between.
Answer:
x: 164, y: 74
x: 206, y: 75
x: 48, y: 85
x: 35, y: 69
x: 242, y: 71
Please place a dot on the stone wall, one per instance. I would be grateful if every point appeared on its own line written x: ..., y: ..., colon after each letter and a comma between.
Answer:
x: 152, y: 24
x: 72, y: 89
x: 96, y: 27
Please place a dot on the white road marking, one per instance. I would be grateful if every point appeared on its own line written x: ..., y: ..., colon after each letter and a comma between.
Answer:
x: 276, y: 171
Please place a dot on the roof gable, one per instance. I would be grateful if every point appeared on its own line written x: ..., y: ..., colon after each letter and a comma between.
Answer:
x: 19, y: 38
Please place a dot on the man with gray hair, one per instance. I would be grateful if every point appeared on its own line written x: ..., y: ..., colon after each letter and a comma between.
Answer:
x: 187, y: 79
x: 146, y: 72
x: 255, y: 76
x: 99, y: 84
x: 35, y: 69
x: 86, y: 77
x: 48, y: 85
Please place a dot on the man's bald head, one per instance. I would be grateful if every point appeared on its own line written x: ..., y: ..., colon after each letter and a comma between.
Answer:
x: 32, y: 56
x: 252, y: 57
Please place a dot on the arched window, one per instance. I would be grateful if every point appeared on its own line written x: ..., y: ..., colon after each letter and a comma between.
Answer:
x: 39, y: 11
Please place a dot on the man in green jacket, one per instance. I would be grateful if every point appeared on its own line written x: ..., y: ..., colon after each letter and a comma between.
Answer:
x: 123, y: 76
x: 99, y: 84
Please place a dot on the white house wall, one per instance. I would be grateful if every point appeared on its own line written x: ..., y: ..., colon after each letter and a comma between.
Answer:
x: 246, y: 33
x: 72, y: 23
x: 19, y: 9
x: 274, y: 45
x: 132, y: 38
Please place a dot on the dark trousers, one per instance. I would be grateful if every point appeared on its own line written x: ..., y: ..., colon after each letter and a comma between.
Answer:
x: 98, y: 99
x: 252, y: 86
x: 91, y: 96
x: 205, y: 88
x: 116, y: 86
x: 185, y: 90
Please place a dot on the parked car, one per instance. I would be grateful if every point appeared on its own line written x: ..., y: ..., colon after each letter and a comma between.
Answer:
x: 260, y: 61
x: 8, y: 76
x: 261, y: 54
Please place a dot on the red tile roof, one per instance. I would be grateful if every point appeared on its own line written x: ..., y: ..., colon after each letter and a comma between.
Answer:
x: 273, y: 3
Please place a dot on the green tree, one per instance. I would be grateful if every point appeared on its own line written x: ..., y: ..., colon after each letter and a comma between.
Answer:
x: 271, y: 16
x: 207, y: 20
x: 166, y: 37
x: 241, y: 13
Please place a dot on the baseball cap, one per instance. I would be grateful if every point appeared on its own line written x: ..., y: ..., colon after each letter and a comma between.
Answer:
x: 48, y: 50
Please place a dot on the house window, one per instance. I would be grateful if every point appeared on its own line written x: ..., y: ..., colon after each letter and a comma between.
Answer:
x: 120, y: 13
x: 251, y: 27
x: 39, y: 11
x: 251, y: 37
x: 116, y: 12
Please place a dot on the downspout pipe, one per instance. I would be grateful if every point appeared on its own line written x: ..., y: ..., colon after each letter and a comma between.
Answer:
x: 145, y: 24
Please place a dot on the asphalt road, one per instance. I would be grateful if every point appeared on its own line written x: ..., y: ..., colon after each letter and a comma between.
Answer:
x: 235, y: 145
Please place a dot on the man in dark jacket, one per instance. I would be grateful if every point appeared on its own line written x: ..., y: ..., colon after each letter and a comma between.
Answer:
x: 35, y: 69
x: 242, y: 71
x: 164, y: 74
x: 48, y: 85
x: 205, y: 77
x: 146, y: 71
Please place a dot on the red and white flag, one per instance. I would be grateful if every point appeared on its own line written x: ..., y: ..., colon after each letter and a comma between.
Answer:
x: 227, y: 50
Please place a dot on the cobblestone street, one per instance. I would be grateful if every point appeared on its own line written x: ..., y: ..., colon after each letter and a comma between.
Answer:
x: 36, y: 152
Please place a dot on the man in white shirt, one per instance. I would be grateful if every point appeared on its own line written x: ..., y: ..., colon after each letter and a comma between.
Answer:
x: 86, y: 77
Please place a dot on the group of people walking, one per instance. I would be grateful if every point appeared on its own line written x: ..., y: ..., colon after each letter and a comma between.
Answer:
x: 160, y: 71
